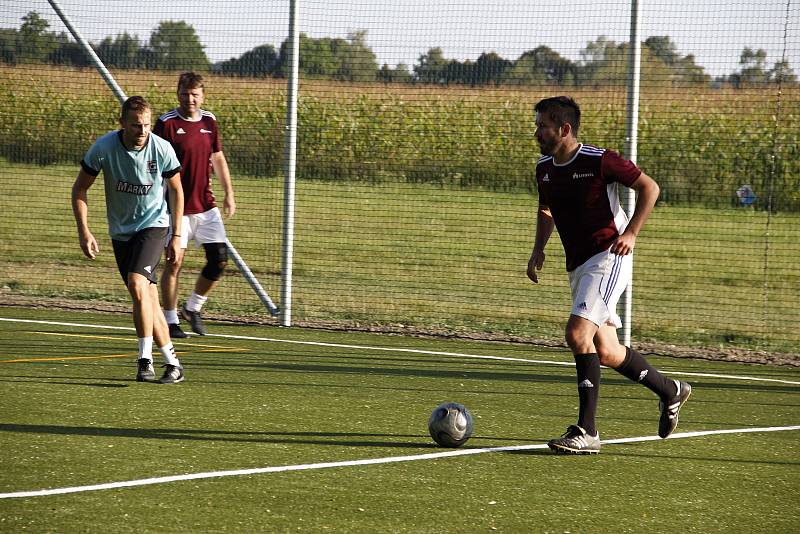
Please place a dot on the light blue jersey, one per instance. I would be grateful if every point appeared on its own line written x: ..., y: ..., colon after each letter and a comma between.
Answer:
x: 134, y: 182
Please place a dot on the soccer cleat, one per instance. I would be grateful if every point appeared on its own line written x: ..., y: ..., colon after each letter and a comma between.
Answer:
x: 175, y: 331
x: 195, y: 321
x: 145, y: 371
x: 575, y: 441
x: 669, y: 412
x: 172, y: 374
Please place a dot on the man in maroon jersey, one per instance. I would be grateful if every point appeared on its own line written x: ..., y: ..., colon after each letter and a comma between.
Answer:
x: 193, y: 133
x: 578, y: 195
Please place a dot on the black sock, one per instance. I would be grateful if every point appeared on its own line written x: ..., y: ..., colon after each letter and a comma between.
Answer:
x: 637, y: 369
x: 587, y: 367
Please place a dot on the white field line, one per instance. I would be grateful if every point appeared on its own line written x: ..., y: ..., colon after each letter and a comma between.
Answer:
x: 412, y: 351
x: 370, y: 461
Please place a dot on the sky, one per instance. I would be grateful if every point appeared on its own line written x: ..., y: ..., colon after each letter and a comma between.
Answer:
x: 399, y: 31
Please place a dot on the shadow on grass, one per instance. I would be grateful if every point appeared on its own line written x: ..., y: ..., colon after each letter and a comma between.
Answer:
x: 719, y: 459
x: 90, y: 384
x: 437, y: 391
x: 352, y: 439
x: 346, y: 439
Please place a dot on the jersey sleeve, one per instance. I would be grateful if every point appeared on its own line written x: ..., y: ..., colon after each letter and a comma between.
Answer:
x: 92, y: 161
x: 543, y: 200
x: 216, y: 142
x: 160, y: 129
x: 171, y: 163
x: 618, y: 169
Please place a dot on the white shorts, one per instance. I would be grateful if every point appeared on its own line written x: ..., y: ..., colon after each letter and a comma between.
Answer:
x: 203, y: 228
x: 597, y: 286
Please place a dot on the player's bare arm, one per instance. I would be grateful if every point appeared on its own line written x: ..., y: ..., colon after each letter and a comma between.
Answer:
x: 175, y: 195
x: 544, y: 228
x: 220, y: 165
x: 647, y: 192
x: 80, y: 208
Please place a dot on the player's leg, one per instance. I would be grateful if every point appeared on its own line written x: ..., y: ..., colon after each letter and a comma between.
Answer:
x: 632, y: 365
x: 124, y: 251
x: 210, y: 232
x: 173, y: 370
x: 583, y: 438
x: 138, y: 288
x: 591, y: 284
x: 629, y: 362
x: 580, y: 338
x: 169, y: 285
x: 139, y: 259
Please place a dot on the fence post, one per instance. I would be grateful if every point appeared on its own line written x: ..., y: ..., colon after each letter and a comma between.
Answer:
x: 290, y: 164
x: 631, y: 146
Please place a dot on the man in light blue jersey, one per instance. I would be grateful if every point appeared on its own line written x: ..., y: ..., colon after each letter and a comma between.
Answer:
x: 138, y: 168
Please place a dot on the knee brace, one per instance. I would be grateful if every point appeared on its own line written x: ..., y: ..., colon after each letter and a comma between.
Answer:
x: 216, y: 260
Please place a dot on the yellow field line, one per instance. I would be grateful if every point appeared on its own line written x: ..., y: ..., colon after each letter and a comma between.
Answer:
x: 65, y: 334
x: 62, y: 358
x: 208, y: 348
x: 220, y: 348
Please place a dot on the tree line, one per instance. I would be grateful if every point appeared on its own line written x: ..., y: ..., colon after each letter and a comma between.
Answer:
x: 175, y: 45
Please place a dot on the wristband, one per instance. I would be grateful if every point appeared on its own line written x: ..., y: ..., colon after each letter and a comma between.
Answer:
x: 176, y: 235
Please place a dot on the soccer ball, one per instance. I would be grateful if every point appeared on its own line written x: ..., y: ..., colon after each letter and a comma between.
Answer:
x: 450, y: 424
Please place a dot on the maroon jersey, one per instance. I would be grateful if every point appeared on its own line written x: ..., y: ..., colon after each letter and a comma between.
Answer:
x: 194, y: 142
x: 582, y: 197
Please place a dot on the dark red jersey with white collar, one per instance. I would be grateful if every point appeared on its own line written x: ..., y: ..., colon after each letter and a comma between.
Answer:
x: 583, y: 199
x: 194, y: 141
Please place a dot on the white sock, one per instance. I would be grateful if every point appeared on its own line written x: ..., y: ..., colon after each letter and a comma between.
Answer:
x: 168, y: 352
x: 195, y: 302
x: 146, y: 348
x: 172, y: 316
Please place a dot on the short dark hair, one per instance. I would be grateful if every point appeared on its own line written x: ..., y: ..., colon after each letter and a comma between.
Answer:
x: 561, y: 110
x: 135, y: 103
x: 190, y: 80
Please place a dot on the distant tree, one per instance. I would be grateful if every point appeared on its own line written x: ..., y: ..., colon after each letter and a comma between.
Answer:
x: 340, y: 59
x: 358, y: 61
x: 663, y: 48
x: 8, y: 45
x: 317, y: 59
x: 603, y: 62
x: 176, y: 46
x: 431, y: 67
x: 68, y: 52
x: 540, y: 66
x: 525, y: 71
x: 489, y: 68
x: 753, y: 71
x: 690, y: 72
x: 781, y: 72
x: 456, y: 71
x: 124, y: 51
x: 35, y: 43
x: 606, y: 62
x: 259, y: 62
x: 399, y: 74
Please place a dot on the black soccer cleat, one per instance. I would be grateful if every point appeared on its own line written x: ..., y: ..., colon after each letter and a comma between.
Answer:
x: 194, y: 320
x: 671, y: 408
x: 145, y: 371
x: 172, y: 374
x: 575, y: 441
x: 175, y: 331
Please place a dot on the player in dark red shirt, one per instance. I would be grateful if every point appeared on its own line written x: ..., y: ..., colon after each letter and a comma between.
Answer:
x: 578, y: 196
x: 193, y: 133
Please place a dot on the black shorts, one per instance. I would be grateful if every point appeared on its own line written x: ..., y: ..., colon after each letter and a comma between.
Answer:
x: 141, y: 253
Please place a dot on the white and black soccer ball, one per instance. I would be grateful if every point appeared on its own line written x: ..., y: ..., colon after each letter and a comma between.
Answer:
x: 450, y: 424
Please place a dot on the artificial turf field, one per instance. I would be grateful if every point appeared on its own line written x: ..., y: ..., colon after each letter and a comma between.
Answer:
x: 298, y: 430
